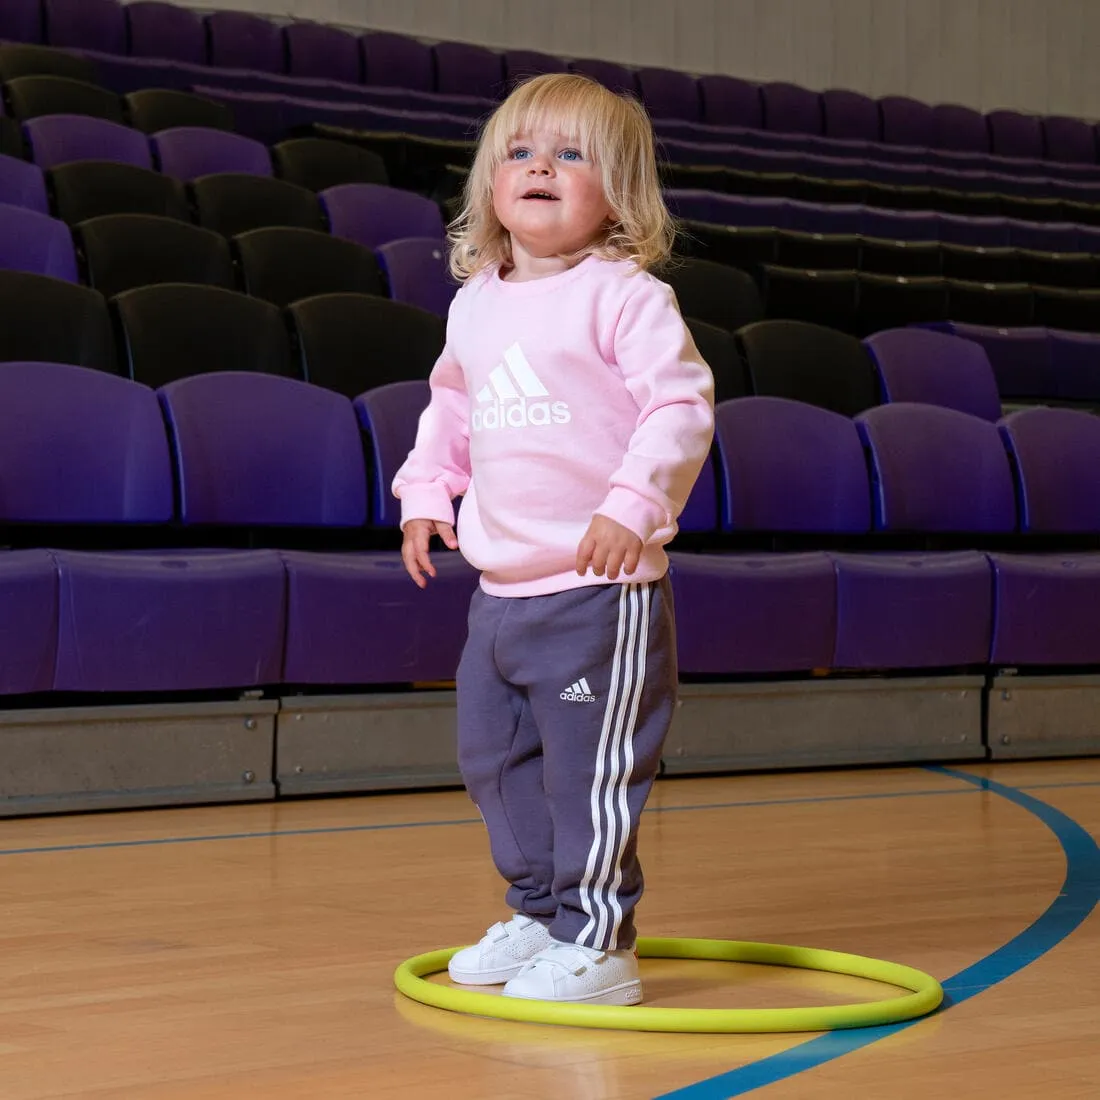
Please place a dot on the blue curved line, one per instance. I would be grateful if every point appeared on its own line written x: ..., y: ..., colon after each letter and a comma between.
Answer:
x: 1075, y: 901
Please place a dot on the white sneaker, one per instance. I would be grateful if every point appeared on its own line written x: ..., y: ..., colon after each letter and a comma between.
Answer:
x: 501, y: 953
x: 569, y: 972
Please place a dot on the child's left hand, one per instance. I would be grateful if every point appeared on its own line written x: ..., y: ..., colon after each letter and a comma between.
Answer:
x: 608, y: 546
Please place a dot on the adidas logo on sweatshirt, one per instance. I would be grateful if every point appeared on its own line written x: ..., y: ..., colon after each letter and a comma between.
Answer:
x: 515, y: 397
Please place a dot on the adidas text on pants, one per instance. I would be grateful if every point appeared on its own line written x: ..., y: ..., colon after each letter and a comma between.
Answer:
x: 564, y: 703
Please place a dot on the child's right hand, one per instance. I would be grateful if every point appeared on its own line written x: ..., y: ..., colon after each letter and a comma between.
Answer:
x: 414, y: 547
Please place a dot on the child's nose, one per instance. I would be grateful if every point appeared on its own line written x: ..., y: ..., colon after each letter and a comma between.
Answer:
x: 540, y: 165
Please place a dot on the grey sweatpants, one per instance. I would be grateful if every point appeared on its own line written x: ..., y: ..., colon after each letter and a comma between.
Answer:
x: 564, y: 702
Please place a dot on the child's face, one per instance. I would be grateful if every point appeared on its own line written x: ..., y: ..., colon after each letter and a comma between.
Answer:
x: 548, y: 196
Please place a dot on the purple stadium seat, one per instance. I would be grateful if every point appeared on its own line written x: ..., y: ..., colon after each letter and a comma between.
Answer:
x: 700, y: 514
x: 1020, y: 358
x: 1069, y: 140
x: 1056, y: 457
x: 788, y: 466
x: 729, y: 101
x: 1043, y: 236
x: 937, y: 470
x: 784, y: 606
x: 372, y: 214
x: 21, y: 21
x: 188, y: 152
x: 397, y: 61
x: 1047, y: 609
x: 906, y: 121
x: 22, y: 184
x: 1075, y: 365
x: 28, y: 611
x: 792, y: 109
x: 166, y: 30
x: 956, y: 127
x: 1015, y: 135
x: 85, y: 24
x: 257, y: 449
x: 241, y: 40
x: 618, y: 78
x: 36, y: 243
x: 416, y: 269
x: 323, y: 52
x: 61, y: 139
x: 80, y: 446
x: 519, y: 64
x: 169, y: 621
x: 465, y: 69
x: 668, y: 93
x: 910, y: 611
x: 934, y: 368
x: 899, y: 225
x: 977, y: 232
x: 850, y: 116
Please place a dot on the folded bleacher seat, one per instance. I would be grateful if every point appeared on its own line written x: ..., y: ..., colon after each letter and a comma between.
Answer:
x: 235, y: 202
x: 152, y: 110
x: 417, y: 273
x: 56, y: 140
x: 318, y: 164
x: 91, y: 188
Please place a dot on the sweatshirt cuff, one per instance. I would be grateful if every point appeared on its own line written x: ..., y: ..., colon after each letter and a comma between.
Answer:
x: 633, y: 511
x: 428, y: 501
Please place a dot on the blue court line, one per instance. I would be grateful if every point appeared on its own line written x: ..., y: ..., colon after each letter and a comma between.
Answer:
x: 1075, y: 901
x: 268, y: 834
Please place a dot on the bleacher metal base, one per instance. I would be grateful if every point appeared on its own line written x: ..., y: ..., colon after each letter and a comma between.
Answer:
x: 1037, y: 716
x: 109, y: 757
x: 816, y: 723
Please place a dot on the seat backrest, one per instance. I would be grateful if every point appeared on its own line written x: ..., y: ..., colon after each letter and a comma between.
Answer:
x: 1070, y: 140
x: 617, y: 77
x: 1056, y: 461
x: 164, y: 339
x: 935, y: 368
x: 980, y: 232
x: 22, y: 184
x: 80, y: 446
x: 718, y: 347
x: 165, y: 30
x: 789, y: 466
x: 259, y: 450
x: 123, y: 251
x: 85, y: 24
x: 958, y: 127
x: 322, y: 52
x: 21, y: 21
x: 282, y: 265
x: 243, y: 40
x: 851, y: 116
x: 397, y: 61
x: 809, y: 363
x: 521, y: 64
x: 318, y: 164
x: 62, y: 139
x: 372, y: 215
x: 906, y: 121
x: 33, y: 96
x: 712, y: 292
x: 352, y: 343
x: 92, y: 188
x: 789, y: 108
x: 464, y: 69
x: 669, y: 93
x: 155, y: 109
x: 1020, y: 358
x: 36, y: 243
x: 937, y: 470
x: 390, y: 415
x: 20, y: 60
x: 1015, y: 135
x: 232, y: 203
x: 1074, y: 365
x: 47, y: 320
x: 417, y: 273
x: 730, y: 101
x: 188, y: 152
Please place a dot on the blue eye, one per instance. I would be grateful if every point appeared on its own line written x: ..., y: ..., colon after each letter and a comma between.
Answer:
x: 519, y: 154
x: 570, y: 154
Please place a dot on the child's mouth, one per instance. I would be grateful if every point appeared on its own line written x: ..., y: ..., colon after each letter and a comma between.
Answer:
x: 544, y: 196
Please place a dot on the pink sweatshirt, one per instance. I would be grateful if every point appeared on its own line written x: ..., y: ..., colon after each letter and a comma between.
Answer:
x: 556, y: 399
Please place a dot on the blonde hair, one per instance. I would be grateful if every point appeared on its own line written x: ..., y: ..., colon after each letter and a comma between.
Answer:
x: 611, y: 130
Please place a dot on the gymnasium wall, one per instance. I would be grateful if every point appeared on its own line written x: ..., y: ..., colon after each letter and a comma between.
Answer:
x: 1037, y: 55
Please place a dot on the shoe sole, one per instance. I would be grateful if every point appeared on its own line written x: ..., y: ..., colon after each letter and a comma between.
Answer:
x: 485, y: 977
x: 621, y: 996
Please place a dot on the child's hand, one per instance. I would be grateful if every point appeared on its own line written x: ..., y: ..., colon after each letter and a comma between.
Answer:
x: 609, y: 546
x: 414, y: 547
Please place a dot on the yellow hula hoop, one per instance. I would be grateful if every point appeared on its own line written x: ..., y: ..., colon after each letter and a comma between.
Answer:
x: 924, y: 997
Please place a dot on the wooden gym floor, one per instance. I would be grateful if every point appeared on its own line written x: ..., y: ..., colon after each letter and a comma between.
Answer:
x: 246, y: 951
